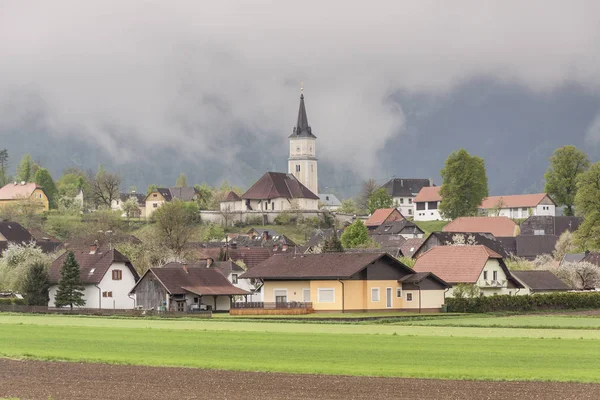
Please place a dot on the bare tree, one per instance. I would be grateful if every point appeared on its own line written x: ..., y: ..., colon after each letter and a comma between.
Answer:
x: 106, y: 187
x: 174, y: 225
x: 581, y: 275
x: 369, y: 187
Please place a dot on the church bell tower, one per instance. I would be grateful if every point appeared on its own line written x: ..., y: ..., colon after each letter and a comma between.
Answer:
x: 303, y: 161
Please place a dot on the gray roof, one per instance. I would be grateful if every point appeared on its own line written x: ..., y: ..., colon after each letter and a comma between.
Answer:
x: 550, y: 225
x: 397, y: 227
x: 330, y: 200
x: 185, y: 194
x: 486, y: 239
x: 572, y: 258
x: 319, y: 235
x: 400, y: 187
x: 532, y: 246
x: 540, y: 281
x: 302, y: 128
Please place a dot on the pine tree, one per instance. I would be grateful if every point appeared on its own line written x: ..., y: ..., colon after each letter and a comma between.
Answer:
x: 36, y: 285
x: 26, y: 169
x: 70, y: 288
x: 44, y: 179
x: 335, y: 244
x: 181, y: 181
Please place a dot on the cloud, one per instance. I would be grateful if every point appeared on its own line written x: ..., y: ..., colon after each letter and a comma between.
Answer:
x: 190, y: 75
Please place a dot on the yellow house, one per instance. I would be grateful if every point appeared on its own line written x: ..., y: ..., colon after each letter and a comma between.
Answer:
x: 348, y: 282
x: 13, y: 193
x: 158, y: 197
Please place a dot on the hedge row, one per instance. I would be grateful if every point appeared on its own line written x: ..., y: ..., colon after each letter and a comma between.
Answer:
x: 551, y: 301
x: 8, y: 302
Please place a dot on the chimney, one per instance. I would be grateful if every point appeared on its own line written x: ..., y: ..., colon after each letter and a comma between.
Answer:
x: 265, y: 236
x: 93, y: 248
x: 185, y: 268
x: 209, y: 262
x: 401, y: 182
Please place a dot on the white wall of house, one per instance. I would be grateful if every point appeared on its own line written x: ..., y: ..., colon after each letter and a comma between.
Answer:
x: 522, y: 212
x: 231, y: 206
x: 405, y: 205
x: 427, y: 214
x: 223, y: 302
x: 245, y: 284
x: 486, y: 282
x: 152, y: 205
x: 281, y: 204
x: 545, y: 209
x: 97, y: 296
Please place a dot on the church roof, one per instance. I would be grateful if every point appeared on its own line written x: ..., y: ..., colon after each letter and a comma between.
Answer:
x: 302, y: 129
x: 277, y: 184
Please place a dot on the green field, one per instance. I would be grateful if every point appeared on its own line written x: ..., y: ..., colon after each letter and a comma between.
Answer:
x: 431, y: 226
x: 518, y: 321
x: 449, y: 352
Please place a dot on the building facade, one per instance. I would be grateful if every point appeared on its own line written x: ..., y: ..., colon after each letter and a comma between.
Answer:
x: 302, y: 162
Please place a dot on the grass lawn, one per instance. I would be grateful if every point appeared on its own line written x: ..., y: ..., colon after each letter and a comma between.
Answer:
x: 375, y: 350
x: 516, y: 321
x: 431, y: 226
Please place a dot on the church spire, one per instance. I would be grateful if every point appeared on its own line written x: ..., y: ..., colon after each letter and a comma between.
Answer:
x: 302, y: 129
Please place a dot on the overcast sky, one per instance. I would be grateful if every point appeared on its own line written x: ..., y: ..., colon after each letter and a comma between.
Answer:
x: 187, y: 74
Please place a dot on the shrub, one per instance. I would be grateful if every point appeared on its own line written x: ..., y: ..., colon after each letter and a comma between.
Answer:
x: 284, y: 218
x: 11, y: 301
x: 551, y: 301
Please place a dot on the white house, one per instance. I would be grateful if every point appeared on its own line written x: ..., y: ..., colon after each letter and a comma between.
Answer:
x: 426, y: 204
x: 476, y: 265
x: 106, y: 274
x: 518, y: 206
x: 140, y: 198
x: 232, y: 271
x: 329, y: 202
x: 404, y: 191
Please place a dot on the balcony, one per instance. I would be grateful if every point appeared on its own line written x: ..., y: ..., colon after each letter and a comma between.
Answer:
x: 263, y: 308
x: 493, y: 283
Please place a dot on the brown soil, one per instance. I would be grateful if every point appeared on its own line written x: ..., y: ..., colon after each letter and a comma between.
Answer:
x: 61, y: 380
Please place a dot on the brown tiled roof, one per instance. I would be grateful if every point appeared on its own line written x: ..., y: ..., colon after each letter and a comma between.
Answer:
x: 92, y: 267
x: 592, y: 257
x: 497, y: 226
x: 198, y: 279
x: 15, y: 233
x: 455, y: 263
x: 381, y: 215
x: 232, y: 196
x: 409, y: 246
x: 430, y: 193
x: 316, y: 266
x: 14, y: 191
x: 277, y: 184
x: 540, y: 280
x: 513, y: 201
x: 420, y: 276
x: 40, y: 235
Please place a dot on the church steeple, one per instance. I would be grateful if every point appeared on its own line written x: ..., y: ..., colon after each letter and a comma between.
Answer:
x: 302, y: 128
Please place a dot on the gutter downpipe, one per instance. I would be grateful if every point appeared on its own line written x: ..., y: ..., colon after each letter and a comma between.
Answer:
x: 99, y: 297
x: 343, y: 290
x: 129, y: 295
x: 419, y: 286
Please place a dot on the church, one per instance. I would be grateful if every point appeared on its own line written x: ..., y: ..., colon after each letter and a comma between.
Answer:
x: 278, y: 191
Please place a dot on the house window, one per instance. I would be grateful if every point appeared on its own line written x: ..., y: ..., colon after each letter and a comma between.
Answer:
x: 306, y: 295
x: 420, y: 206
x: 280, y: 295
x: 539, y: 232
x: 401, y: 200
x: 297, y: 168
x: 409, y: 200
x: 154, y: 195
x: 484, y: 274
x: 375, y: 294
x: 408, y: 296
x: 196, y: 300
x: 117, y: 275
x: 234, y: 278
x: 326, y: 296
x: 399, y: 293
x: 181, y: 306
x: 432, y: 205
x: 106, y: 294
x: 272, y: 205
x: 155, y: 205
x: 495, y: 275
x: 410, y: 211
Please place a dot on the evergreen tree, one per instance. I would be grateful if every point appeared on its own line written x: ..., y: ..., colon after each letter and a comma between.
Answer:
x: 44, y: 179
x: 333, y: 244
x: 3, y: 167
x: 355, y: 235
x: 70, y: 288
x: 566, y: 164
x: 25, y: 169
x: 464, y: 185
x: 181, y: 181
x: 36, y: 285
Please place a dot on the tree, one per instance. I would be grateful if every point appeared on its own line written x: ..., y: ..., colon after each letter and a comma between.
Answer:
x: 566, y: 164
x: 130, y: 208
x: 587, y: 204
x: 379, y: 199
x: 151, y: 188
x: 3, y: 167
x: 368, y: 188
x: 204, y: 196
x: 580, y: 275
x: 464, y: 185
x: 214, y: 232
x: 181, y: 181
x: 498, y: 207
x: 71, y: 182
x: 44, y: 179
x: 36, y: 285
x: 70, y: 289
x: 355, y: 235
x: 333, y: 244
x: 15, y: 263
x: 348, y: 207
x: 565, y: 244
x: 105, y: 187
x: 174, y: 224
x: 25, y: 171
x: 466, y: 290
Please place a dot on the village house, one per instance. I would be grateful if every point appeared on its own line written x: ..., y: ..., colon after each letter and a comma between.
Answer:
x: 106, y: 274
x: 181, y: 287
x: 329, y: 202
x: 462, y: 238
x: 410, y: 246
x: 347, y: 282
x: 231, y: 203
x: 535, y: 282
x: 232, y: 272
x: 403, y: 192
x: 13, y: 233
x: 139, y: 198
x: 317, y: 239
x: 475, y: 265
x: 158, y: 197
x: 518, y: 206
x: 549, y: 225
x: 14, y: 193
x: 405, y: 228
x: 381, y: 216
x: 427, y: 203
x: 497, y: 226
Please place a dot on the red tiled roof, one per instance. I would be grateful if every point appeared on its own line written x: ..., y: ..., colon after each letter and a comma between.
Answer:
x: 455, y: 263
x: 14, y: 191
x: 381, y: 215
x: 232, y: 196
x: 277, y: 184
x: 92, y: 267
x: 430, y: 193
x: 513, y: 201
x: 497, y: 226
